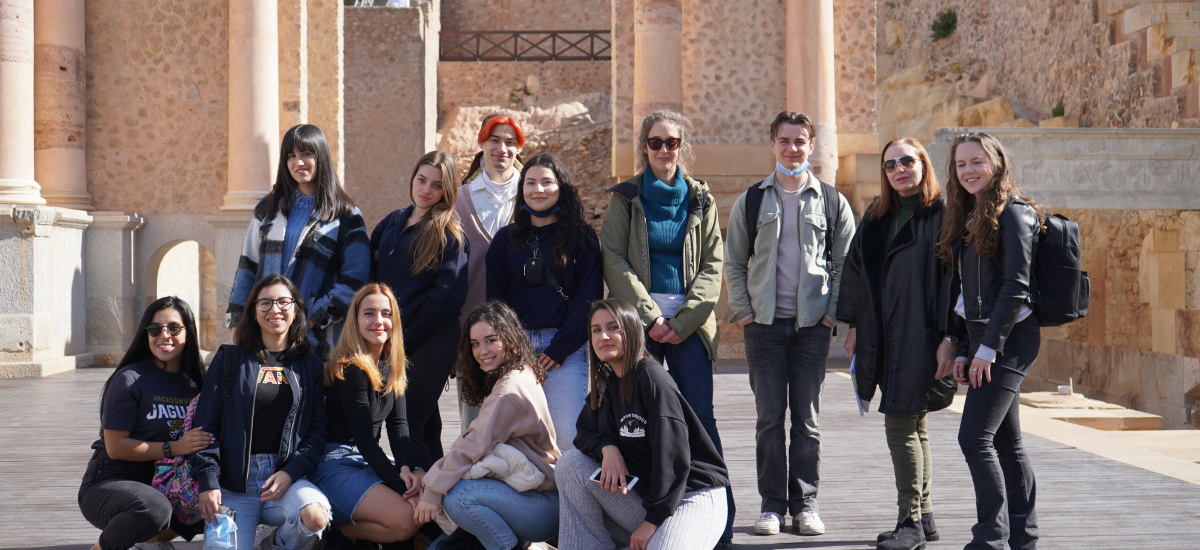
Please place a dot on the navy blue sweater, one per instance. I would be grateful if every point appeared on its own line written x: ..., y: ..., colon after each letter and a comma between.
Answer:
x: 429, y: 299
x: 541, y: 306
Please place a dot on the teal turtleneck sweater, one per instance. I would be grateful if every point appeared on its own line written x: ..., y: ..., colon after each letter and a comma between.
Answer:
x: 666, y: 223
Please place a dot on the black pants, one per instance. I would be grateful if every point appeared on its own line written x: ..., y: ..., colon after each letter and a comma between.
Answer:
x: 990, y: 438
x: 430, y: 362
x: 117, y: 498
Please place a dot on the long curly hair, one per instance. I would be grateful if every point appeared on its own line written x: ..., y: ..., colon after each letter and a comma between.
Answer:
x: 351, y: 349
x: 518, y: 353
x: 441, y: 220
x: 889, y: 199
x: 572, y: 233
x: 978, y: 215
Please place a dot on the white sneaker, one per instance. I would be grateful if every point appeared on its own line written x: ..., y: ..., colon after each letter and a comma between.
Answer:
x: 768, y: 524
x: 153, y: 546
x: 808, y: 523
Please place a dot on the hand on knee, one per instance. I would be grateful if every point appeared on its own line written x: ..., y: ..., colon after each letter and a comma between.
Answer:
x: 314, y: 517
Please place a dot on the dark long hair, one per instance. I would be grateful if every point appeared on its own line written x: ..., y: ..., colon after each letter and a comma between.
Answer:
x: 191, y: 366
x: 978, y: 214
x: 889, y: 199
x: 572, y: 231
x: 634, y: 340
x: 331, y: 201
x: 431, y: 238
x: 518, y: 354
x: 249, y: 333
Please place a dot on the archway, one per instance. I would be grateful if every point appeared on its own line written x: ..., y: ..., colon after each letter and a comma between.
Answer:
x: 187, y: 269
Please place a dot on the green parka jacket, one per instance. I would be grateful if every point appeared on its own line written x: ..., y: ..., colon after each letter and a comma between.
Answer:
x: 626, y: 253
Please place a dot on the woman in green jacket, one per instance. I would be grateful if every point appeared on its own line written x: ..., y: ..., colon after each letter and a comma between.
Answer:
x: 662, y: 253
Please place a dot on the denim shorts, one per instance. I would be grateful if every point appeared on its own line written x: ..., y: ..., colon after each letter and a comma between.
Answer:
x: 345, y: 477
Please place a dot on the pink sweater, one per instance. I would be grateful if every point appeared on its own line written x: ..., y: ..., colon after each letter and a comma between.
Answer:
x: 514, y: 413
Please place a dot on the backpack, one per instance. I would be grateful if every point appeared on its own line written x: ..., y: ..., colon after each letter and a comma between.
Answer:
x: 1060, y: 287
x: 754, y: 197
x: 173, y: 478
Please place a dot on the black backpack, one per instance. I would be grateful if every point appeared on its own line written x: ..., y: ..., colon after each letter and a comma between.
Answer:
x: 1061, y: 288
x: 754, y: 197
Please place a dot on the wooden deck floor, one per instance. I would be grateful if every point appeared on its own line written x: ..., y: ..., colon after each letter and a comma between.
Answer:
x: 1084, y: 501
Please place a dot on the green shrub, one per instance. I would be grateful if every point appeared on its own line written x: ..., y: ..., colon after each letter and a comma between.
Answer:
x: 1058, y: 110
x: 944, y: 24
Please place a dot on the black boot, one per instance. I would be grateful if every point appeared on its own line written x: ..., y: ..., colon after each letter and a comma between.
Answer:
x: 888, y: 534
x: 929, y: 527
x: 910, y: 536
x: 460, y: 539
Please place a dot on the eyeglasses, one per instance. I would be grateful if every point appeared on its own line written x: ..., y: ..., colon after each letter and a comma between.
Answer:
x: 155, y: 329
x: 657, y: 143
x: 264, y: 304
x: 906, y: 161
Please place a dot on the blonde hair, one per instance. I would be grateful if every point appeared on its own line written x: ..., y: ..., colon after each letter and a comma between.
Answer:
x: 351, y: 349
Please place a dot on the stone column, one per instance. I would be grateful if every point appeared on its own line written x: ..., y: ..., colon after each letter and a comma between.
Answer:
x: 253, y: 101
x: 17, y: 185
x: 113, y: 308
x: 60, y: 89
x: 657, y: 57
x: 810, y: 77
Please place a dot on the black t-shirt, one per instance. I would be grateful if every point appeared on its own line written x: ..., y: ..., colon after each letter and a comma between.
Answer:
x: 147, y: 402
x: 272, y: 402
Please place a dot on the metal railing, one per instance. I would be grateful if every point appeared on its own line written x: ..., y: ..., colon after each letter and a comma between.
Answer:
x: 525, y: 46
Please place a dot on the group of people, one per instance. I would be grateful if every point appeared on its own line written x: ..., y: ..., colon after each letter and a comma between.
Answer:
x: 587, y: 422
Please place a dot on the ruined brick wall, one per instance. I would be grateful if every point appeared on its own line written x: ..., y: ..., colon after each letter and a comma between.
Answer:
x: 1032, y: 52
x: 515, y: 84
x: 1139, y: 346
x: 854, y: 54
x: 517, y: 15
x: 157, y: 78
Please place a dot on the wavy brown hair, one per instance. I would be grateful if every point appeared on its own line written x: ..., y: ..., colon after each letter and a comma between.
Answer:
x: 889, y: 199
x: 351, y: 349
x: 978, y: 215
x: 432, y: 230
x: 681, y: 123
x: 518, y: 354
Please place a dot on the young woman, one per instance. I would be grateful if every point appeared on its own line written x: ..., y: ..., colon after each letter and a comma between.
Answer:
x: 420, y: 252
x: 141, y: 420
x: 988, y: 238
x: 308, y: 230
x: 500, y: 374
x: 637, y: 424
x: 264, y: 399
x: 892, y: 297
x: 546, y: 266
x: 662, y: 253
x: 365, y: 384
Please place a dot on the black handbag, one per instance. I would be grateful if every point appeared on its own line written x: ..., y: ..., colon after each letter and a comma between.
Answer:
x: 941, y: 393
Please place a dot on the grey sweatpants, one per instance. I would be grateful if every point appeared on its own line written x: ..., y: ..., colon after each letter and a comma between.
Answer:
x: 697, y: 523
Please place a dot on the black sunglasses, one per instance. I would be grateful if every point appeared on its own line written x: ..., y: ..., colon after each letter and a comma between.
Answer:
x: 906, y: 161
x: 657, y: 143
x: 155, y: 329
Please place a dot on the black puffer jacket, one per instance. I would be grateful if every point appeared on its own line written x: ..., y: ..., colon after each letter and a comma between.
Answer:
x: 896, y: 297
x: 995, y: 288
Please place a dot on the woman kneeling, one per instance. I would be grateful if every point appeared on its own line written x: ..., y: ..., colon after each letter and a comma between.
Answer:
x: 637, y: 425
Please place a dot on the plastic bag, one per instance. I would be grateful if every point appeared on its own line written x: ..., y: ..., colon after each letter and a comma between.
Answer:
x: 220, y: 534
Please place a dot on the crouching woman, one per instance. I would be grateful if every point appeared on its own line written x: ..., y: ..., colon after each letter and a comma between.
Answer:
x: 638, y: 424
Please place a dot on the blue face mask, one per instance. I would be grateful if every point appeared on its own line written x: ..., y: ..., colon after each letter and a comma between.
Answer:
x: 794, y: 173
x: 543, y: 214
x: 221, y: 533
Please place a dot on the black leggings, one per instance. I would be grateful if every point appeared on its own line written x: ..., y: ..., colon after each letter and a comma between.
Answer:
x: 430, y: 362
x: 128, y: 511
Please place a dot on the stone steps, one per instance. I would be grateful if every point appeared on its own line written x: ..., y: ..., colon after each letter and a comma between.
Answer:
x: 1145, y: 15
x: 1168, y: 37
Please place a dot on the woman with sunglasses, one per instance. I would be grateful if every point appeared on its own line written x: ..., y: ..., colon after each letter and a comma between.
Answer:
x: 662, y: 251
x: 308, y: 230
x: 546, y: 266
x: 264, y: 399
x: 420, y: 252
x: 891, y: 294
x: 988, y: 239
x: 141, y: 420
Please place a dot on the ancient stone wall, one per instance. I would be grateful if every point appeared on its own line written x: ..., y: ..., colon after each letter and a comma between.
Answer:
x: 1035, y: 53
x: 157, y: 105
x: 387, y: 105
x: 516, y: 84
x: 854, y: 54
x: 519, y: 15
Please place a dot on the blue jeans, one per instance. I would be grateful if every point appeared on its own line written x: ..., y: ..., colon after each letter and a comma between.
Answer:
x: 284, y: 513
x: 499, y: 516
x: 566, y: 387
x: 787, y: 369
x: 990, y: 437
x: 692, y: 370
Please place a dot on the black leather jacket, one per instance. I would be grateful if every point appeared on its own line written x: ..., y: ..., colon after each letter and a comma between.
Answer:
x: 995, y: 288
x: 895, y: 298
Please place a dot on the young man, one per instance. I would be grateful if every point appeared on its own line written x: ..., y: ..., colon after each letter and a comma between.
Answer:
x: 787, y: 237
x: 486, y: 206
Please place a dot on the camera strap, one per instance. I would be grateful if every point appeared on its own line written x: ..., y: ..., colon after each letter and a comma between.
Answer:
x: 532, y: 242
